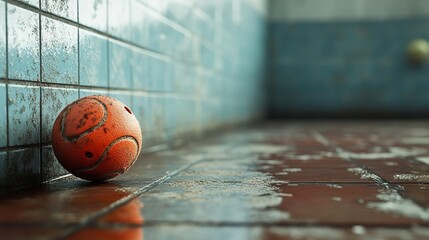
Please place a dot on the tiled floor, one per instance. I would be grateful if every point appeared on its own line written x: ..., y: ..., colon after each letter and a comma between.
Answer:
x: 310, y: 180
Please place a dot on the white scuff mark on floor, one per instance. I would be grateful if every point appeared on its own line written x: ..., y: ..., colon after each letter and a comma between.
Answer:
x: 411, y: 177
x: 321, y: 139
x: 358, y: 230
x: 392, y: 202
x: 260, y: 148
x: 285, y: 194
x: 292, y: 170
x: 304, y: 157
x: 394, y: 152
x: 266, y: 201
x: 364, y: 174
x: 391, y: 164
x: 424, y: 160
x: 272, y: 162
x: 265, y: 167
x: 337, y: 199
x: 334, y: 186
x: 273, y: 215
x: 416, y: 140
x: 309, y: 232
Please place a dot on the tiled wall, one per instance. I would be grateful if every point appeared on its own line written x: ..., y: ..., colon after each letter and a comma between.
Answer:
x: 336, y: 66
x: 347, y: 69
x: 184, y: 67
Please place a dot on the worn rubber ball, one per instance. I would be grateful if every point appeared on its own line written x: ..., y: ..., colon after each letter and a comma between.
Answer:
x: 96, y: 138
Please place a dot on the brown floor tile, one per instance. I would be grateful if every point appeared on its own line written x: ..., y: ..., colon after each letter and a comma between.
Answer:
x: 343, y: 204
x: 398, y: 170
x: 417, y: 192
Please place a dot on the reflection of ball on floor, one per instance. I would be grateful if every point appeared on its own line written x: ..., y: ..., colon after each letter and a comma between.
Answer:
x: 96, y: 138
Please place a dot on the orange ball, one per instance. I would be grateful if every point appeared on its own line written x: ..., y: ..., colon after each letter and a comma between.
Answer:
x: 96, y: 138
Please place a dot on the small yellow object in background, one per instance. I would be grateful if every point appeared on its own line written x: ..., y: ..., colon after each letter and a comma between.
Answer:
x: 418, y: 50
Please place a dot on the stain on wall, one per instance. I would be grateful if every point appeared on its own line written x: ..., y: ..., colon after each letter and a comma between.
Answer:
x: 184, y: 67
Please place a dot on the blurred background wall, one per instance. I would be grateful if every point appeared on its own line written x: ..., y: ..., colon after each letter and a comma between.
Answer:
x: 346, y: 58
x: 184, y: 67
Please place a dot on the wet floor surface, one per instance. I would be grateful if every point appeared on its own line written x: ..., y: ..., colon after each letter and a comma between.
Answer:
x: 319, y: 180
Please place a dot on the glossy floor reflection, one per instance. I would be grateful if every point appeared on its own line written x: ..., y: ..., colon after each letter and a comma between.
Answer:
x: 318, y: 180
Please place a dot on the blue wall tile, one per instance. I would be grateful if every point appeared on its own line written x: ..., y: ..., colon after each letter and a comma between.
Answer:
x: 119, y: 21
x: 24, y: 115
x: 155, y: 33
x: 203, y: 25
x: 23, y: 166
x: 3, y: 116
x: 142, y: 111
x: 54, y: 100
x: 2, y: 39
x: 59, y: 52
x: 93, y: 59
x: 23, y: 44
x: 119, y: 66
x: 50, y: 167
x: 139, y: 69
x: 93, y: 13
x: 63, y: 8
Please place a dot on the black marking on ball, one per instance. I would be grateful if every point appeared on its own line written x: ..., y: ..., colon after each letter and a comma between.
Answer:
x: 106, y: 151
x: 76, y: 137
x: 128, y: 110
x: 88, y: 154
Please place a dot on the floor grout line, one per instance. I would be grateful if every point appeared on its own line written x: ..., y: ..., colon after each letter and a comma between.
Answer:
x: 377, y: 179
